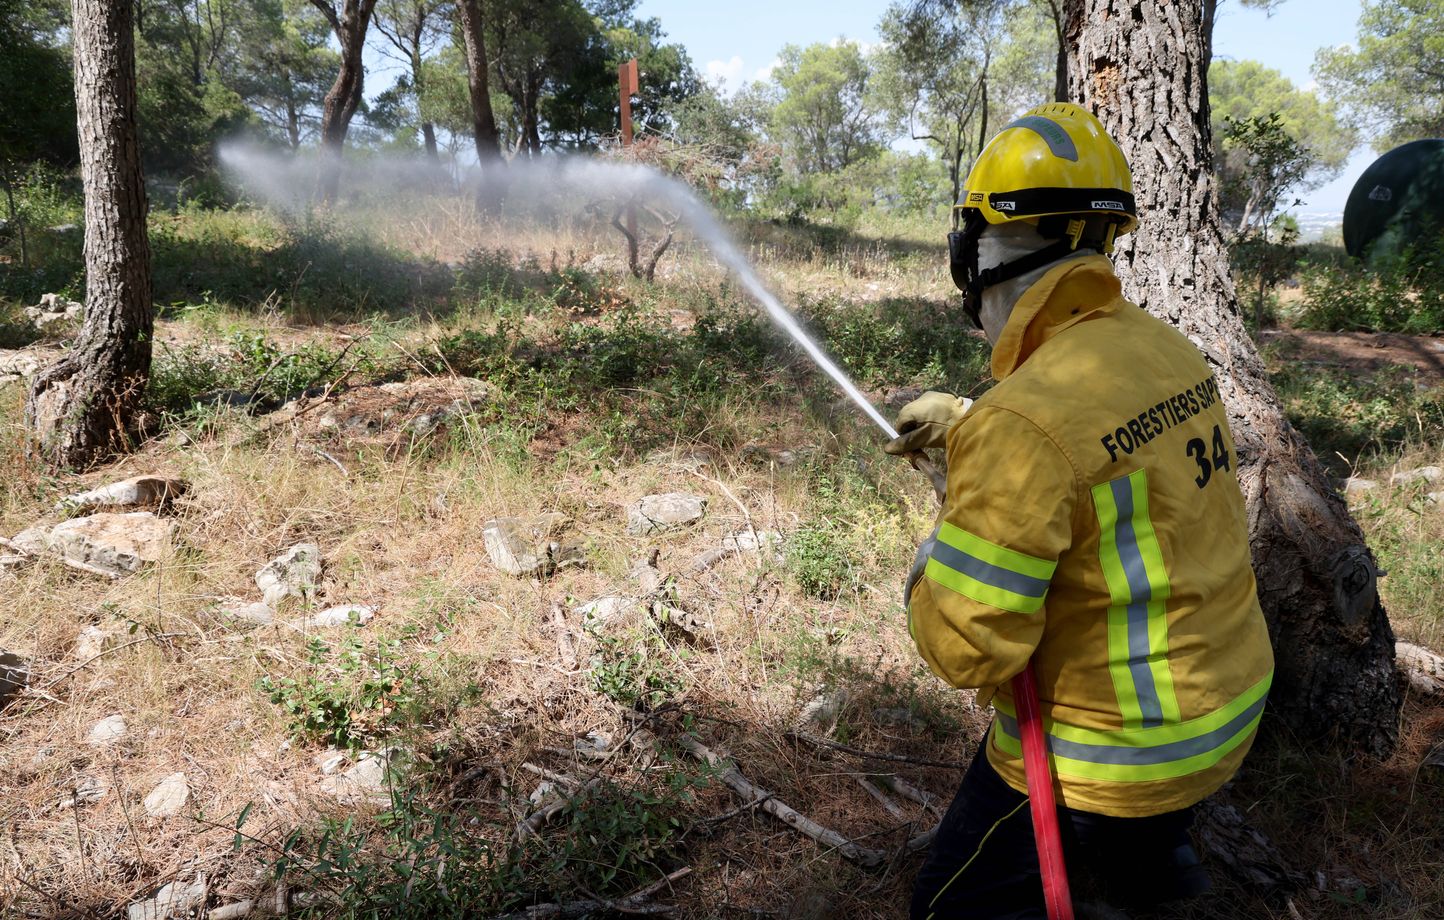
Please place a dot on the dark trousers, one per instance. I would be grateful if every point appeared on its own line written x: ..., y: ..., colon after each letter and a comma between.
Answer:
x: 984, y: 863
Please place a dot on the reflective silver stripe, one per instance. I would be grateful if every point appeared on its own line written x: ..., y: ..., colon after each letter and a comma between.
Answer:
x: 915, y: 574
x: 1051, y: 132
x: 1140, y: 592
x: 994, y: 576
x: 1143, y: 756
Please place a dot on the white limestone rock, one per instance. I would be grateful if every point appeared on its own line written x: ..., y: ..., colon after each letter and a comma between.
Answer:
x: 252, y: 613
x: 172, y: 901
x: 90, y: 642
x: 107, y: 731
x: 119, y: 544
x: 139, y: 493
x: 340, y: 615
x: 1427, y: 474
x: 365, y: 782
x: 523, y: 546
x: 1356, y: 486
x: 664, y: 512
x: 168, y: 798
x: 598, y: 613
x: 294, y: 573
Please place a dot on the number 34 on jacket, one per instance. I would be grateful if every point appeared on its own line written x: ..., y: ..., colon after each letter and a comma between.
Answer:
x: 1094, y: 525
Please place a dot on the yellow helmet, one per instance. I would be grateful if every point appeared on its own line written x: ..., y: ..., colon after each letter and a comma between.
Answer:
x: 1056, y: 159
x: 1055, y: 167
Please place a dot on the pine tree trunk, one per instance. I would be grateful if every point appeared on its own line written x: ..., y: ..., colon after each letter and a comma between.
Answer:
x: 345, y: 95
x: 1142, y: 68
x: 80, y: 410
x: 473, y: 33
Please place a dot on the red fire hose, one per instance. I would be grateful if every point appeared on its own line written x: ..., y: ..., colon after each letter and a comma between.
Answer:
x: 1040, y: 797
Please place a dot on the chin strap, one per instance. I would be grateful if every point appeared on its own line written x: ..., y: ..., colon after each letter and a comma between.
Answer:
x: 1007, y: 271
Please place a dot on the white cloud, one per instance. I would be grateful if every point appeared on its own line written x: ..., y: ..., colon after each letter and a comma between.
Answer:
x: 865, y: 47
x: 725, y: 73
x: 765, y: 73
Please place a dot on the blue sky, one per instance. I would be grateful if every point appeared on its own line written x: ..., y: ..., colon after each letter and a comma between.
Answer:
x: 740, y: 43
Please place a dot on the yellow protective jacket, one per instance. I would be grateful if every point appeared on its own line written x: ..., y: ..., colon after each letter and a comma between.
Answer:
x: 1094, y: 524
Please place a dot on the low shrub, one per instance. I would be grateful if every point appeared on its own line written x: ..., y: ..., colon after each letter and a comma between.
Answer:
x: 1400, y: 295
x: 352, y: 697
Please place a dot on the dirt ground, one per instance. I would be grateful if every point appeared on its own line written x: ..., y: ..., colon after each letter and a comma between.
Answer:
x: 1365, y: 352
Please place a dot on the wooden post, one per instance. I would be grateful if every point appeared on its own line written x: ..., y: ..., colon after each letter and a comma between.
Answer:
x: 627, y: 82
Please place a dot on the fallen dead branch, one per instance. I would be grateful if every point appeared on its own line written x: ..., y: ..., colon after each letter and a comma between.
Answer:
x: 561, y: 779
x: 908, y: 791
x: 768, y: 802
x: 875, y: 755
x: 1423, y: 668
x: 888, y: 804
x: 635, y: 903
x: 566, y: 643
x: 532, y: 824
x: 734, y: 812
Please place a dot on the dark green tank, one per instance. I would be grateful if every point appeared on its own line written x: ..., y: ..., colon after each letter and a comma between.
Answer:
x: 1397, y: 203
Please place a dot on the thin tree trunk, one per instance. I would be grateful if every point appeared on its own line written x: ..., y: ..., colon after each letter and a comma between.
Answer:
x: 983, y: 119
x: 1060, y: 66
x: 293, y: 122
x: 473, y: 33
x: 82, y: 408
x: 345, y: 94
x: 16, y: 219
x: 428, y: 135
x: 1141, y: 68
x: 532, y: 123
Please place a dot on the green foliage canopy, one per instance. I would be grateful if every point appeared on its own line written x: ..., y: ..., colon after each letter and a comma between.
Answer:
x: 1271, y: 139
x: 39, y: 105
x: 824, y: 118
x: 1394, y: 80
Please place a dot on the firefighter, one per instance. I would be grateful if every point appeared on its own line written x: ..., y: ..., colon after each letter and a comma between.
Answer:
x: 1094, y: 525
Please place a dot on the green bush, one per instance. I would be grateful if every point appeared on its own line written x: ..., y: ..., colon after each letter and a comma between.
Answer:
x: 254, y: 366
x: 352, y: 697
x: 899, y: 342
x: 313, y: 269
x: 1345, y: 418
x: 820, y: 560
x: 1403, y: 295
x: 635, y: 674
x: 429, y: 858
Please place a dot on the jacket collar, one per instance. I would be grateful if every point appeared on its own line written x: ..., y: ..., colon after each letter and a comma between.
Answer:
x: 1068, y: 294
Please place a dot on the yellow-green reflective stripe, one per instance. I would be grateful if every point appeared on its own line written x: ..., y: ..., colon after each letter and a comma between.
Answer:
x: 1159, y: 593
x: 1134, y: 755
x: 1118, y: 611
x: 988, y: 573
x: 982, y: 593
x: 1133, y: 567
x: 992, y: 553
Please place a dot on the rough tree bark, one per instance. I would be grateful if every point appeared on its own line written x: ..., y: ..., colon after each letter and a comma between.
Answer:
x: 344, y: 97
x: 473, y: 33
x: 1142, y: 67
x: 80, y: 409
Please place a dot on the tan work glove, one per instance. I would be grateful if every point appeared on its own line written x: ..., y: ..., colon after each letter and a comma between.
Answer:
x: 925, y: 422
